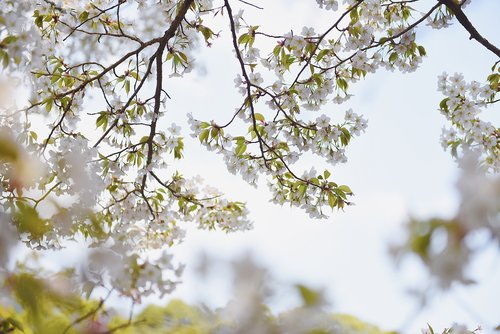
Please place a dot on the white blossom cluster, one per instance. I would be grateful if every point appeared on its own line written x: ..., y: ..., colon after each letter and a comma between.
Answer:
x: 133, y: 276
x: 455, y: 329
x: 462, y: 107
x: 443, y: 18
x: 328, y: 4
x: 322, y: 138
x: 22, y: 43
x: 309, y: 70
x: 440, y: 20
x: 105, y: 193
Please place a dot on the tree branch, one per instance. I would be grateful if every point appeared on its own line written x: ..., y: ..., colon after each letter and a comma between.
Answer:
x: 464, y: 21
x: 169, y: 33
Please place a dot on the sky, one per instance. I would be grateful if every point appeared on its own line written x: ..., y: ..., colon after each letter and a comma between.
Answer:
x: 397, y: 169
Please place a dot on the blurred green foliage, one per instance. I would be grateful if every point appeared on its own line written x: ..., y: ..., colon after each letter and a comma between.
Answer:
x: 42, y: 307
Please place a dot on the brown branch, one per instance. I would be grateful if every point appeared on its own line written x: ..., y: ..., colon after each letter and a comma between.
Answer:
x: 91, y: 18
x: 46, y: 194
x: 134, y: 94
x: 109, y: 68
x: 464, y: 21
x: 169, y: 33
x: 247, y: 80
x: 177, y: 194
x: 65, y: 111
x: 250, y: 4
x: 103, y: 34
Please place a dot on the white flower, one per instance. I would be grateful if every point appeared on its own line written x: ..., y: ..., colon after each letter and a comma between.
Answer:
x: 311, y: 174
x: 174, y: 129
x: 335, y: 133
x: 251, y: 55
x: 238, y: 81
x: 255, y: 78
x: 328, y: 4
x: 308, y: 32
x: 292, y: 157
x: 459, y: 329
x: 350, y: 115
x: 323, y: 121
x: 171, y: 143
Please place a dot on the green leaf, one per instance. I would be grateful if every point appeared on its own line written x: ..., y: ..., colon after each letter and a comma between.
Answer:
x: 393, y: 57
x: 29, y: 292
x: 354, y: 16
x: 101, y: 120
x: 127, y: 86
x: 83, y: 16
x: 494, y: 79
x: 28, y: 221
x: 178, y: 149
x: 443, y: 104
x: 214, y: 132
x: 48, y: 104
x: 259, y: 117
x: 243, y: 39
x: 406, y: 13
x: 135, y: 75
x: 302, y: 190
x: 276, y: 50
x: 309, y: 297
x: 8, y: 150
x: 240, y: 149
x: 421, y: 50
x: 203, y: 136
x: 321, y: 54
x: 342, y: 83
x: 9, y: 39
x: 345, y: 189
x: 206, y: 32
x: 183, y: 57
x: 332, y: 200
x: 15, y: 323
x: 345, y: 137
x: 39, y: 21
x: 5, y: 58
